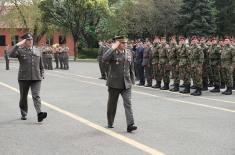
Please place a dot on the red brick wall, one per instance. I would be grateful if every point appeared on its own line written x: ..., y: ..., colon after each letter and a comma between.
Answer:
x: 5, y: 32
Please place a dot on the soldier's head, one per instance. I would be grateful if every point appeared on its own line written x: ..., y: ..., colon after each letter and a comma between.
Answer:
x: 194, y: 40
x: 123, y: 42
x: 208, y: 42
x: 163, y: 40
x: 29, y: 40
x: 182, y: 40
x: 221, y: 42
x: 202, y: 40
x: 227, y: 41
x: 214, y: 40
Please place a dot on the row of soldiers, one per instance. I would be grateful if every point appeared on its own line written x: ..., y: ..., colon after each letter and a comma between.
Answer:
x: 205, y: 62
x: 60, y: 54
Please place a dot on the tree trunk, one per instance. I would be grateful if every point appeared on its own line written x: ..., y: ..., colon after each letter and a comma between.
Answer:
x: 75, y: 40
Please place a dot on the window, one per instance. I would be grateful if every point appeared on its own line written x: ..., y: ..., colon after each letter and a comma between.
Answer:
x: 15, y: 40
x: 49, y: 41
x: 2, y: 40
x: 62, y: 39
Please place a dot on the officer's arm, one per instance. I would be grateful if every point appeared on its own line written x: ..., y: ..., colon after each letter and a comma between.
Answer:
x: 132, y: 71
x: 108, y: 56
x: 41, y: 67
x: 13, y: 52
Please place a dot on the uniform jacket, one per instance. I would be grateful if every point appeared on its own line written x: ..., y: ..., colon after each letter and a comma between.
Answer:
x: 121, y: 74
x: 31, y: 65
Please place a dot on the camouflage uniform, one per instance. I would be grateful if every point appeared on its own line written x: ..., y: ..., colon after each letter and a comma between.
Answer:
x: 215, y: 61
x: 227, y: 64
x: 197, y: 58
x: 206, y: 66
x: 164, y: 65
x: 155, y: 62
x: 174, y: 63
x: 184, y: 67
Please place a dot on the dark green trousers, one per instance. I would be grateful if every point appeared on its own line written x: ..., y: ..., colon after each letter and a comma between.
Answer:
x: 112, y: 105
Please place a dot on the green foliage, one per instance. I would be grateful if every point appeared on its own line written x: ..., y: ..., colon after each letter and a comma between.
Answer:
x: 88, y: 53
x: 197, y: 18
x: 225, y: 17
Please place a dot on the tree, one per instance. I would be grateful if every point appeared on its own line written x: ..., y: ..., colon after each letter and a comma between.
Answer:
x: 26, y: 14
x: 196, y: 18
x: 78, y: 17
x: 225, y: 18
x: 141, y: 19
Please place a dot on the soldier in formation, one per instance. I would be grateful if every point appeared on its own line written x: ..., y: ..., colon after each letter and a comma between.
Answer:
x: 207, y: 62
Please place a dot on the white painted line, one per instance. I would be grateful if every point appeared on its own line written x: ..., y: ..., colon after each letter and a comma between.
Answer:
x: 151, y: 95
x: 120, y: 137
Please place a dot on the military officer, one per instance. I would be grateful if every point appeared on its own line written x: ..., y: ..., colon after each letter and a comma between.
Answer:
x: 184, y: 64
x: 6, y: 56
x: 31, y: 72
x: 50, y: 57
x: 174, y: 62
x: 197, y: 59
x: 120, y: 80
x: 164, y: 65
x: 228, y: 64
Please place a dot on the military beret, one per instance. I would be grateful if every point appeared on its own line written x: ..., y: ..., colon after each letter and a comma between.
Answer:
x: 122, y: 39
x: 27, y: 36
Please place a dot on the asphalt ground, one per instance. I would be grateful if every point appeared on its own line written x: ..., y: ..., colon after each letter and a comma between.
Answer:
x: 76, y: 100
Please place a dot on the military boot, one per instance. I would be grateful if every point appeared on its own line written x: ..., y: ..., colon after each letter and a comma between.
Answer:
x: 158, y: 85
x: 222, y: 86
x: 210, y: 84
x: 165, y: 87
x: 234, y: 85
x: 228, y: 91
x: 175, y: 88
x: 216, y: 89
x: 186, y: 90
x: 197, y: 92
x: 205, y: 86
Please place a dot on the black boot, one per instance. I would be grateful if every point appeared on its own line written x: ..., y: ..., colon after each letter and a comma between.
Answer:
x: 186, y: 90
x: 176, y: 88
x: 216, y: 89
x: 131, y: 128
x: 23, y: 118
x: 210, y: 84
x: 228, y: 91
x: 42, y: 116
x: 197, y: 92
x: 158, y: 85
x: 205, y: 86
x: 182, y: 86
x: 165, y: 87
x: 222, y: 86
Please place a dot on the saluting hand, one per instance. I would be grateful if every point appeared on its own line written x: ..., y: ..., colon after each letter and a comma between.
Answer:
x: 115, y: 45
x: 21, y: 43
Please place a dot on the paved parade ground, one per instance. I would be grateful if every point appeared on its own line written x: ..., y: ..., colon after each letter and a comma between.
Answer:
x: 76, y: 100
